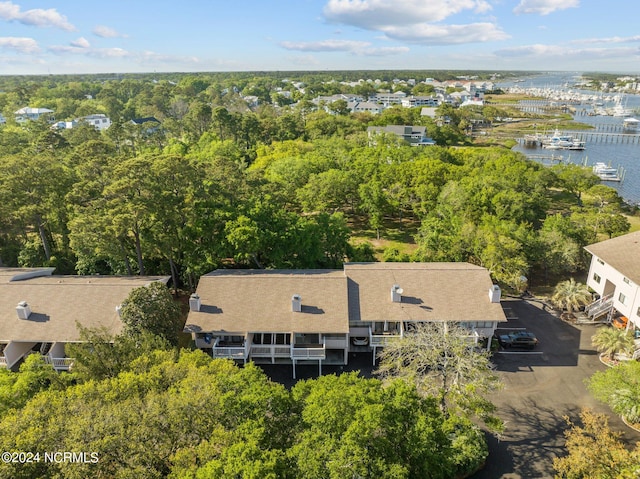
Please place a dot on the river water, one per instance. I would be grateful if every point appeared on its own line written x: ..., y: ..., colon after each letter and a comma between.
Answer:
x: 621, y: 152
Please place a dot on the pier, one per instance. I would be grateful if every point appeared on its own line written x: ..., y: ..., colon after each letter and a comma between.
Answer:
x: 609, y: 135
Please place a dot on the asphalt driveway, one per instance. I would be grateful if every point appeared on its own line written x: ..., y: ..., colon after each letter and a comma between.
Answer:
x: 541, y: 388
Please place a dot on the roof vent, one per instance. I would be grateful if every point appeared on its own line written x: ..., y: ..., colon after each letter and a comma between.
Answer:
x: 494, y: 293
x: 194, y: 302
x: 296, y: 303
x: 396, y: 293
x: 23, y: 310
x: 119, y: 310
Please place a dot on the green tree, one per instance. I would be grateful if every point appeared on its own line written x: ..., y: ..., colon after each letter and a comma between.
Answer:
x: 439, y: 358
x: 596, y: 452
x: 571, y: 295
x: 152, y: 309
x: 619, y: 387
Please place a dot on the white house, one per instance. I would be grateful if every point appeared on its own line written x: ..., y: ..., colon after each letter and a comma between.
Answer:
x: 31, y: 114
x: 364, y: 106
x: 321, y: 316
x: 39, y: 312
x: 614, y: 274
x: 99, y: 121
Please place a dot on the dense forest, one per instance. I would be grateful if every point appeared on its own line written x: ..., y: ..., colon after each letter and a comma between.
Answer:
x: 211, y: 181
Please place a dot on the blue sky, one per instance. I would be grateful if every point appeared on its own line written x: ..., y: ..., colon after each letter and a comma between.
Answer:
x: 70, y: 36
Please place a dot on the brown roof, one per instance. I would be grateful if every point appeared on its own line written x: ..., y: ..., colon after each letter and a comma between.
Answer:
x: 622, y: 253
x: 431, y: 292
x: 242, y: 301
x: 57, y: 302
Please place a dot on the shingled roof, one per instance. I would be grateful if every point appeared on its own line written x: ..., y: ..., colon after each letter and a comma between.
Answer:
x: 622, y: 253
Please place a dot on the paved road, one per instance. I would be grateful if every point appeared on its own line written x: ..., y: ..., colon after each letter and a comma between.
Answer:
x: 540, y: 389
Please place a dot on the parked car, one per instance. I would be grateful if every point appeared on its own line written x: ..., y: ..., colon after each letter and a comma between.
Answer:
x: 360, y: 340
x: 620, y: 322
x: 517, y: 339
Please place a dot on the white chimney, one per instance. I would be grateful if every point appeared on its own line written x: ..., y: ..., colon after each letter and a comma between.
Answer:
x: 194, y: 302
x: 396, y: 293
x: 23, y: 310
x: 494, y: 294
x: 296, y: 303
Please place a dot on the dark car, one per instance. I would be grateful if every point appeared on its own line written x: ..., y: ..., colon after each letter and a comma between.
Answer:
x: 517, y: 339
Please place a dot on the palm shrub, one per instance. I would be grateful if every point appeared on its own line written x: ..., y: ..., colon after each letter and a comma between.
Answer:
x: 611, y: 341
x: 570, y: 295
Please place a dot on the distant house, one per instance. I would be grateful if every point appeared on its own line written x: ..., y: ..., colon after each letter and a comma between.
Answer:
x: 153, y: 124
x: 416, y: 101
x: 322, y: 316
x: 389, y: 99
x: 414, y: 135
x: 64, y: 125
x: 39, y: 312
x: 31, y: 114
x: 364, y: 107
x: 614, y: 274
x: 99, y: 121
x: 3, y: 120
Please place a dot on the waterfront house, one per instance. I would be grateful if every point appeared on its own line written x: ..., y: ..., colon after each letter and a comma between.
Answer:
x: 321, y: 316
x: 614, y: 274
x: 414, y: 135
x: 40, y: 312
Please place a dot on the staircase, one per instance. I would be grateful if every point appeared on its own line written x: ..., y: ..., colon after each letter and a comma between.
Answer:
x: 599, y: 308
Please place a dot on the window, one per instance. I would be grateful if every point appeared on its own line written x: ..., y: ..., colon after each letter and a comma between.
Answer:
x: 626, y: 280
x: 596, y: 277
x: 600, y: 261
x: 622, y: 298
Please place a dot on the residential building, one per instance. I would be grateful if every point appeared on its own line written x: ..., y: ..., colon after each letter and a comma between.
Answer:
x: 364, y: 106
x: 3, y: 120
x: 415, y: 101
x: 414, y: 135
x: 40, y: 312
x: 614, y: 274
x: 388, y: 99
x: 99, y: 121
x: 31, y: 114
x: 321, y: 316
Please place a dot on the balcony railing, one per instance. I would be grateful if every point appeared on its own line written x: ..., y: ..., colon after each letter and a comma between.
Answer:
x: 3, y: 362
x: 309, y: 352
x: 382, y: 339
x: 60, y: 364
x: 270, y: 351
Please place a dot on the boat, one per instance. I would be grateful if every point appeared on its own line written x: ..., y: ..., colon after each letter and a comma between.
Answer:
x: 631, y: 124
x: 562, y: 142
x: 606, y: 172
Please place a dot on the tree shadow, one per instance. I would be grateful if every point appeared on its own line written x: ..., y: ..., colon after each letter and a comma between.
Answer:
x: 533, y: 437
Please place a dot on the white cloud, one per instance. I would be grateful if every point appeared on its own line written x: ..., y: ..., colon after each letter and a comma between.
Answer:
x: 37, y: 17
x: 447, y: 34
x: 19, y: 44
x: 350, y: 46
x: 107, y: 32
x: 544, y: 7
x: 374, y: 14
x: 80, y: 43
x: 545, y: 52
x: 632, y: 39
x: 416, y: 21
x: 326, y: 46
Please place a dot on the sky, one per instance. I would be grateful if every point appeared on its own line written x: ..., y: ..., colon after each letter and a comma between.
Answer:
x: 117, y: 36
